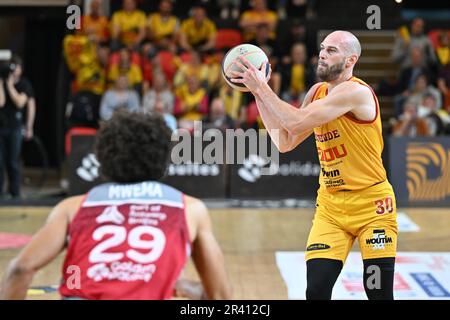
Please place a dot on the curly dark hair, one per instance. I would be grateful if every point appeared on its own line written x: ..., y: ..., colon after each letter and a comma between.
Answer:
x: 133, y: 147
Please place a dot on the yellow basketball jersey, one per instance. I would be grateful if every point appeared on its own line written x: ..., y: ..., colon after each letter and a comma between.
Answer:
x: 349, y: 149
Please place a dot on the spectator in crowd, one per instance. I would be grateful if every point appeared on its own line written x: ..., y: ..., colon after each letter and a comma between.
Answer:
x: 229, y: 8
x: 296, y: 34
x: 169, y: 64
x: 78, y: 49
x: 163, y: 27
x: 95, y: 21
x: 232, y: 99
x: 128, y: 26
x: 218, y: 118
x: 198, y: 32
x: 260, y: 14
x: 91, y: 75
x: 443, y: 83
x: 443, y: 48
x: 159, y: 92
x: 410, y: 124
x: 423, y: 88
x: 148, y: 64
x: 427, y: 105
x: 300, y: 8
x: 420, y: 87
x: 191, y: 102
x: 16, y: 94
x: 117, y: 98
x: 161, y: 108
x: 193, y: 65
x: 408, y: 76
x: 429, y: 110
x: 262, y: 39
x: 127, y: 64
x: 297, y: 77
x: 416, y: 38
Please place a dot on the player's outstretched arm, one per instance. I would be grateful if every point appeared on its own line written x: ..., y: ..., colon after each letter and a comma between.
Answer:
x: 344, y: 98
x: 207, y: 255
x: 286, y: 141
x: 280, y: 136
x: 45, y: 245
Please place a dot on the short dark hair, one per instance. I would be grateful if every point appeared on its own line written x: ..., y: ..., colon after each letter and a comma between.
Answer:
x: 133, y: 147
x: 17, y: 60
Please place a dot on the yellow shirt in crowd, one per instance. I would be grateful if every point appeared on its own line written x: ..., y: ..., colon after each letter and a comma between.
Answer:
x: 161, y: 27
x: 129, y: 24
x: 198, y: 34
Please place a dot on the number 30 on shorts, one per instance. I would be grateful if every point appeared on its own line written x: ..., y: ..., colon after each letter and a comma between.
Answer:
x: 384, y: 205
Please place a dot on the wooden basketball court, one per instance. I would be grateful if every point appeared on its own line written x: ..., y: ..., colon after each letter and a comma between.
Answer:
x: 249, y: 239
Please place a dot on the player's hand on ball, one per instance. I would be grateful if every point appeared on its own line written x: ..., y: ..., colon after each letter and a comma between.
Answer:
x: 250, y: 76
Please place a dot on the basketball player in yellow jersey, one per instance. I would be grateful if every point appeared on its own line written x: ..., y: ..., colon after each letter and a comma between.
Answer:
x: 355, y: 199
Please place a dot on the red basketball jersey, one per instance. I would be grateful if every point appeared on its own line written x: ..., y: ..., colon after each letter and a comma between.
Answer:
x: 127, y: 241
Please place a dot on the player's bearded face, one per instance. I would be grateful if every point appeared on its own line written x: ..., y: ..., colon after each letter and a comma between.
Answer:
x: 327, y: 72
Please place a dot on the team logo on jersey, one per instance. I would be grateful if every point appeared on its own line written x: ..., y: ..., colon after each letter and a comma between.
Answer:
x: 88, y: 171
x: 111, y: 214
x: 379, y: 239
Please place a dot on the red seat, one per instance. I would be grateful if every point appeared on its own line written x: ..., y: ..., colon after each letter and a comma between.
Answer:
x: 77, y: 131
x: 252, y: 114
x: 114, y: 58
x: 227, y: 38
x: 434, y: 36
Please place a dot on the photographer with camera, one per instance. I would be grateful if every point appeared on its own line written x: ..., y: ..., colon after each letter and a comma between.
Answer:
x: 16, y: 94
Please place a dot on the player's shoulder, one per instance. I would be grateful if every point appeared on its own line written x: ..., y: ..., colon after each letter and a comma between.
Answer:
x: 69, y: 206
x: 195, y: 205
x: 315, y: 87
x: 355, y: 89
x: 71, y: 201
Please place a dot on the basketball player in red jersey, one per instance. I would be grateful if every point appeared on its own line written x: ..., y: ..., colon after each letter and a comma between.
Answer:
x: 355, y: 200
x: 130, y: 238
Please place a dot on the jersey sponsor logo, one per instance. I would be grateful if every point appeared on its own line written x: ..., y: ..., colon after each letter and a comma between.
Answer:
x: 379, y: 239
x: 122, y: 271
x: 332, y: 153
x: 318, y: 246
x: 327, y: 136
x: 334, y: 183
x: 111, y: 214
x: 330, y: 174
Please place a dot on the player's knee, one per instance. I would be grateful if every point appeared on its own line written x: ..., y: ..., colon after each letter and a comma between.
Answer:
x: 321, y: 276
x: 379, y: 278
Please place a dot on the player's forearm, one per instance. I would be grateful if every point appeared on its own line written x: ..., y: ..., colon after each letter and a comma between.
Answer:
x: 289, y: 117
x: 15, y: 283
x: 277, y: 133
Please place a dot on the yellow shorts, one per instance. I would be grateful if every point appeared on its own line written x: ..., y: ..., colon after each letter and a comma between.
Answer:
x: 369, y: 215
